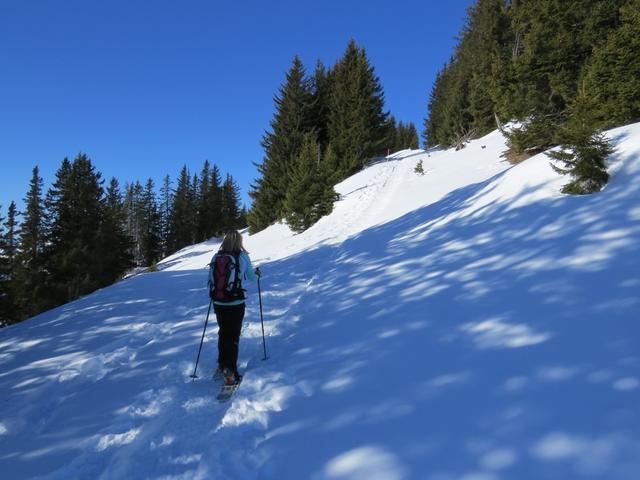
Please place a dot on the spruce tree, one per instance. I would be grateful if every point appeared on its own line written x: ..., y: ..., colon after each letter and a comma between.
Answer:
x: 610, y: 87
x: 75, y: 205
x: 321, y: 90
x: 230, y: 213
x: 166, y: 201
x: 114, y: 244
x: 412, y: 137
x: 390, y: 136
x: 151, y: 226
x: 483, y: 42
x: 358, y: 127
x: 180, y: 222
x: 309, y: 196
x: 7, y: 307
x: 214, y: 203
x: 293, y: 118
x: 434, y: 122
x: 406, y: 137
x: 60, y: 232
x: 583, y: 154
x: 12, y: 233
x: 242, y: 218
x: 8, y: 259
x: 556, y: 39
x: 134, y: 212
x: 30, y: 276
x: 526, y: 61
x: 449, y: 121
x: 194, y: 204
x: 204, y: 192
x: 462, y: 102
x: 331, y: 167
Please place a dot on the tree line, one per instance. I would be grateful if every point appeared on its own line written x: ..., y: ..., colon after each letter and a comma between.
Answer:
x: 80, y: 236
x: 564, y: 70
x: 325, y: 126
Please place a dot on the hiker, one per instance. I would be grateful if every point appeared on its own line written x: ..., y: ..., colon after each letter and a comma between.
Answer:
x: 229, y: 267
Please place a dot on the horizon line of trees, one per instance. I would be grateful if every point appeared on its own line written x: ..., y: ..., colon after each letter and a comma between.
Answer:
x: 325, y: 127
x: 565, y: 71
x: 80, y: 236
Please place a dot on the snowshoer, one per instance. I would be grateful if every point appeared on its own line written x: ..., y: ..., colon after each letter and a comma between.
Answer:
x: 229, y: 267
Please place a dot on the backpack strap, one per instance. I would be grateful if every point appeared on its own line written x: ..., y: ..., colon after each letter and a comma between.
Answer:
x: 236, y: 281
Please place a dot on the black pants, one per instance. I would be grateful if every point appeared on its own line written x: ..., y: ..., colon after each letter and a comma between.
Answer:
x: 229, y: 326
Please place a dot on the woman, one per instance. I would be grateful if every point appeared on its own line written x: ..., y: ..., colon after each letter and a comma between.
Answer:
x: 229, y: 267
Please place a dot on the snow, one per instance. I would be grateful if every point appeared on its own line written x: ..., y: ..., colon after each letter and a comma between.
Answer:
x: 470, y: 323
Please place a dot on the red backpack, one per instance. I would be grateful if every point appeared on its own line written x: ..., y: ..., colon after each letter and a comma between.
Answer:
x: 225, y: 284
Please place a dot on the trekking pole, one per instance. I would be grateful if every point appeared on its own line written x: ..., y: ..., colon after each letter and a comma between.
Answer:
x: 194, y: 376
x: 264, y: 343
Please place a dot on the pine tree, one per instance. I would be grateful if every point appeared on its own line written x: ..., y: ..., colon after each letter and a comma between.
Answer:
x: 60, y: 232
x: 114, y: 245
x: 610, y: 87
x: 230, y: 204
x: 391, y: 135
x: 522, y: 60
x: 412, y: 137
x: 204, y: 192
x: 7, y: 308
x: 358, y: 127
x: 293, y: 118
x: 214, y: 204
x: 309, y: 196
x: 462, y: 102
x: 242, y: 218
x: 181, y: 230
x: 151, y: 240
x: 166, y: 201
x: 449, y: 122
x: 194, y: 204
x: 406, y: 137
x: 321, y: 90
x: 12, y: 235
x: 434, y: 122
x: 324, y: 193
x: 8, y: 262
x: 583, y: 154
x: 331, y: 167
x: 134, y: 213
x: 484, y: 40
x: 30, y: 269
x: 557, y: 39
x: 75, y: 205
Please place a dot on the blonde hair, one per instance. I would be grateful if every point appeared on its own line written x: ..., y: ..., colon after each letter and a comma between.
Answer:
x: 232, y: 242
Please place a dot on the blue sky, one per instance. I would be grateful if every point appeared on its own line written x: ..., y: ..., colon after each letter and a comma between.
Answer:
x: 144, y: 87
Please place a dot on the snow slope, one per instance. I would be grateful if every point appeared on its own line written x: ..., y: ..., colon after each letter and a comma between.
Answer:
x: 468, y: 324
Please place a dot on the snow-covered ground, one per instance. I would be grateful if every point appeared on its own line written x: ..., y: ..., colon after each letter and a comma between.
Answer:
x: 468, y: 324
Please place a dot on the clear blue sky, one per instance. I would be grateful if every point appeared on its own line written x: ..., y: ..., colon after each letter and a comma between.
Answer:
x: 144, y: 87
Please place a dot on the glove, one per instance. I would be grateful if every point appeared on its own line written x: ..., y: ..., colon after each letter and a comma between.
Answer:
x: 258, y: 272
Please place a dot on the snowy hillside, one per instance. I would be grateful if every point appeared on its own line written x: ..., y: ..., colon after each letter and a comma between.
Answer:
x: 468, y: 324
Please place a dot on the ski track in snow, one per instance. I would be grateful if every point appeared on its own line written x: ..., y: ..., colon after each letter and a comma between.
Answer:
x: 471, y: 323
